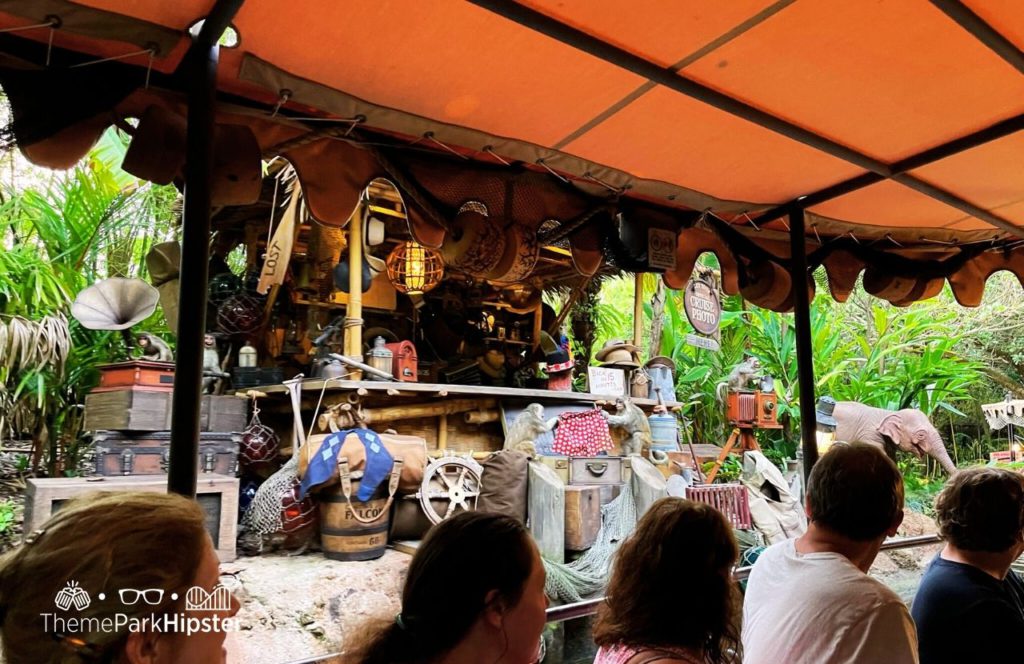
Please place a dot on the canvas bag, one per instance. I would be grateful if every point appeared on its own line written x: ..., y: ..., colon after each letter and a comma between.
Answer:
x: 775, y: 511
x: 503, y: 484
x: 412, y: 450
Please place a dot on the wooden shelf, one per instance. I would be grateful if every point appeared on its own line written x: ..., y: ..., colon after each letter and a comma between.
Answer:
x: 315, y: 385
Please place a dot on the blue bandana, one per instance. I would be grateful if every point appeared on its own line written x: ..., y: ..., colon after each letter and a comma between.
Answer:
x: 324, y: 463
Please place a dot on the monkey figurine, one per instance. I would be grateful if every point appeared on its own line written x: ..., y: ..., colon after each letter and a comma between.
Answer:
x: 525, y: 429
x: 635, y: 427
x: 212, y: 372
x: 739, y: 378
x: 154, y: 348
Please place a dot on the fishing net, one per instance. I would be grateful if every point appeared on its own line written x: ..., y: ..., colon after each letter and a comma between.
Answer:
x: 588, y: 574
x: 275, y: 508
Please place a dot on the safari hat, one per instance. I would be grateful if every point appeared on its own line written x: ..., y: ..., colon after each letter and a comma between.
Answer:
x: 661, y: 360
x: 618, y: 353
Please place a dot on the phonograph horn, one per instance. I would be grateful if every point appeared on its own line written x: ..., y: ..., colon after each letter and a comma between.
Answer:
x: 115, y: 304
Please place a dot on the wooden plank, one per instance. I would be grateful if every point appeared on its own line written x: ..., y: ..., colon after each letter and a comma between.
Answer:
x: 546, y: 511
x: 315, y: 385
x: 582, y: 516
x: 647, y: 484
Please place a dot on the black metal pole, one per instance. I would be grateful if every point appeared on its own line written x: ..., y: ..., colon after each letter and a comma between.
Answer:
x: 804, y: 352
x: 195, y: 258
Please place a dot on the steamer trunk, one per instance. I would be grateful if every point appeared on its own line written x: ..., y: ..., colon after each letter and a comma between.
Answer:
x: 122, y: 453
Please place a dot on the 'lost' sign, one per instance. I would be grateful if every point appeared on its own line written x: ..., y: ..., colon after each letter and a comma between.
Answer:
x: 702, y: 306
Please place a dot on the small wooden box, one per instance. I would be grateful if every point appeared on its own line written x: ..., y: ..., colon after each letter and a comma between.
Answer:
x: 122, y: 453
x: 136, y: 373
x: 596, y: 470
x: 216, y: 494
x: 582, y: 516
x: 128, y: 409
x: 404, y: 361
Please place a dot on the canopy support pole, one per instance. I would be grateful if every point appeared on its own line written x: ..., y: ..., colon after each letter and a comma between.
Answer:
x: 804, y: 352
x: 201, y: 70
x: 353, y: 339
x: 638, y: 311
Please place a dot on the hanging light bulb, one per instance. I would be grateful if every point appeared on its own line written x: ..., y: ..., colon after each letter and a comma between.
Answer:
x: 414, y: 269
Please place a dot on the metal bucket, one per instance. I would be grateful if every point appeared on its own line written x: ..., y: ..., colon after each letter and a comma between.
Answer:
x: 664, y: 432
x: 661, y: 378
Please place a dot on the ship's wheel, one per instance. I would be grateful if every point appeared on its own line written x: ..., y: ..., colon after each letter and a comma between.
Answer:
x: 449, y: 484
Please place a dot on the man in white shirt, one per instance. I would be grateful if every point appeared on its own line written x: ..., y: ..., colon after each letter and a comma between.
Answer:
x: 809, y: 600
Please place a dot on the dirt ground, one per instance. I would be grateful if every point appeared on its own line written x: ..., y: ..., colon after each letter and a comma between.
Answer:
x: 302, y: 606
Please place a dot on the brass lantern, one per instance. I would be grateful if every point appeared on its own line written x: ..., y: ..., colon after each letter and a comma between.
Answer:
x: 414, y: 269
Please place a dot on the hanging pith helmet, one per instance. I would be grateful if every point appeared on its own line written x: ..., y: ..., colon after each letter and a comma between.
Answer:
x: 475, y: 245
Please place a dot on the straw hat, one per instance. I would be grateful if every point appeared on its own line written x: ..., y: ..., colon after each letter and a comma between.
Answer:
x: 492, y: 363
x: 618, y: 353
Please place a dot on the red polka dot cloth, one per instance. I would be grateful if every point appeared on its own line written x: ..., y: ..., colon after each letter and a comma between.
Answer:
x: 582, y: 434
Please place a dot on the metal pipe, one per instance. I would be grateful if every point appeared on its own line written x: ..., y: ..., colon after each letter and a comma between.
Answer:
x: 804, y: 352
x: 195, y: 253
x: 365, y: 368
x: 201, y: 77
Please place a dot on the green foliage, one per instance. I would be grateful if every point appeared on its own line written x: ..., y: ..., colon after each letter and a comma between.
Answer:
x: 6, y: 517
x: 919, y: 489
x: 58, y: 236
x: 730, y: 471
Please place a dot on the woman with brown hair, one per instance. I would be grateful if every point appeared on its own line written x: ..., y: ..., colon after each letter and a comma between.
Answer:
x: 106, y: 580
x: 671, y: 598
x: 474, y: 594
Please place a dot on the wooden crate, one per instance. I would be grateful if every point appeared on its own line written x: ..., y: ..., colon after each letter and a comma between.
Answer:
x: 128, y: 409
x: 223, y: 413
x: 582, y: 516
x: 130, y: 453
x: 140, y: 373
x: 216, y: 494
x: 729, y: 499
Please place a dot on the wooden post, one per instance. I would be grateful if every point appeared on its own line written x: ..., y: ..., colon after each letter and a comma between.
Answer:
x: 647, y: 484
x: 546, y: 505
x: 638, y: 311
x: 354, y: 311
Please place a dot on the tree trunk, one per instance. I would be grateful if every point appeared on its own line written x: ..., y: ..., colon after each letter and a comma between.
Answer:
x: 1015, y: 388
x: 657, y: 317
x: 584, y: 324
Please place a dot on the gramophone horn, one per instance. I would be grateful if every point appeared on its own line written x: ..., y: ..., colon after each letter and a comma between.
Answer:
x: 115, y: 304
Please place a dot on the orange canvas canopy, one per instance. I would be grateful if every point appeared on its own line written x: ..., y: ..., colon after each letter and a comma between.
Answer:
x: 895, y: 124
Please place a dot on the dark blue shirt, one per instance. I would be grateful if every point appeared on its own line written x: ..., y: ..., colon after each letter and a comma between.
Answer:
x: 965, y: 615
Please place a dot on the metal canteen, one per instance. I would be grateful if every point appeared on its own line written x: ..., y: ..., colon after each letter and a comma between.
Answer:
x: 341, y: 275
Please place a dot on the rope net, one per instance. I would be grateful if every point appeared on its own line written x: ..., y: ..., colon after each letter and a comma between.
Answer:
x: 588, y: 574
x: 264, y: 513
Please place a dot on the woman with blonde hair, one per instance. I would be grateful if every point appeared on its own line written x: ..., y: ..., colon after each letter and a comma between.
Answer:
x: 105, y: 580
x: 671, y: 598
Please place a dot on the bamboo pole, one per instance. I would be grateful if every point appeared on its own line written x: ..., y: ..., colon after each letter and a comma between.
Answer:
x: 638, y: 311
x: 354, y: 311
x: 481, y: 416
x: 409, y: 412
x: 442, y: 432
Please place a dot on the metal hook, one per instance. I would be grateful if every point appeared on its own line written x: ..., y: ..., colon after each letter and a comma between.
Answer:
x: 430, y: 137
x: 814, y: 227
x: 890, y: 238
x: 751, y: 221
x: 149, y: 67
x: 356, y: 121
x: 853, y: 237
x: 489, y: 149
x: 283, y: 95
x: 948, y: 243
x: 547, y: 168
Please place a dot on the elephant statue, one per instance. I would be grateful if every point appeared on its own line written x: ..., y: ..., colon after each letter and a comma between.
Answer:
x: 909, y: 429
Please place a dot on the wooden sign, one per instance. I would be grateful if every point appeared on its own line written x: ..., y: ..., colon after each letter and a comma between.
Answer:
x: 609, y: 382
x: 703, y: 342
x: 702, y: 306
x: 661, y: 249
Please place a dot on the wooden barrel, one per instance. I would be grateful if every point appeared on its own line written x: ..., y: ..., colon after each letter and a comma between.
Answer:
x: 342, y: 536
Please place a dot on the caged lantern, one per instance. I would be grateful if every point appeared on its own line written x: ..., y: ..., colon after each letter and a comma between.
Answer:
x: 414, y: 269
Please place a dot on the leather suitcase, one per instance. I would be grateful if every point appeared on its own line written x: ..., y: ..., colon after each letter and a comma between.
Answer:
x: 122, y: 453
x: 596, y: 470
